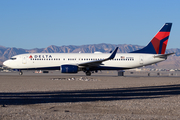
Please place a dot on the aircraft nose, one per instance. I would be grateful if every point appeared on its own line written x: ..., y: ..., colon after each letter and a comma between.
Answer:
x: 6, y: 63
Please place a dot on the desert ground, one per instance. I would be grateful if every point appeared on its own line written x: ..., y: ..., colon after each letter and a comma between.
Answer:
x: 102, y: 96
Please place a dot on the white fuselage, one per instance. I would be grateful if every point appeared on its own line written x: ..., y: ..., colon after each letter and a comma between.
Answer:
x: 55, y: 60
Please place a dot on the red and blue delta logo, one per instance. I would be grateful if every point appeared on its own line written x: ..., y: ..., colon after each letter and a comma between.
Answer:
x: 40, y: 56
x: 30, y: 57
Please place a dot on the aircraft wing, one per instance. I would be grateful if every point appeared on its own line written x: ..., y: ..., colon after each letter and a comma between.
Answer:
x: 99, y: 62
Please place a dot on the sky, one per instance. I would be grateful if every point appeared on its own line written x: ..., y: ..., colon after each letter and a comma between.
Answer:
x: 32, y: 24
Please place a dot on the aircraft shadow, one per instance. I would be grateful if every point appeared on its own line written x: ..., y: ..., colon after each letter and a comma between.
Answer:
x: 148, y: 92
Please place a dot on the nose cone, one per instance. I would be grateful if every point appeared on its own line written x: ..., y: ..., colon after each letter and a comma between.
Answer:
x: 6, y: 63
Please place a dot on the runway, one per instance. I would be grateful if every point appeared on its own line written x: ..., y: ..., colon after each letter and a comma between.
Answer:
x: 100, y: 96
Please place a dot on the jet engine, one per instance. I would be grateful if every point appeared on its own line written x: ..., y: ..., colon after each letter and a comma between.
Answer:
x: 69, y: 69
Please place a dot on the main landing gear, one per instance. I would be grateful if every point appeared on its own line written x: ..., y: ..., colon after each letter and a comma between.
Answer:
x: 88, y: 73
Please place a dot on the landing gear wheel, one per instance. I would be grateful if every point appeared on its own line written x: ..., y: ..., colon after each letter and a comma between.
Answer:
x: 20, y: 73
x: 88, y: 73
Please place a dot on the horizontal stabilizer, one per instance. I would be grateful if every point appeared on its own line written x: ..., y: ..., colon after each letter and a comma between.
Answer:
x: 163, y: 55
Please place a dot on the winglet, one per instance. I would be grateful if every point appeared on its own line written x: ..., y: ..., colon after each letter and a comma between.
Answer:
x: 113, y: 54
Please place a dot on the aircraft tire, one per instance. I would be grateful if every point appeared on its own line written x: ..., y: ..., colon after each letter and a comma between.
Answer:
x: 20, y: 73
x: 88, y: 73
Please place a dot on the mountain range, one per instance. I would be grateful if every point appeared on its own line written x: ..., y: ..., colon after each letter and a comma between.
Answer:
x: 173, y: 62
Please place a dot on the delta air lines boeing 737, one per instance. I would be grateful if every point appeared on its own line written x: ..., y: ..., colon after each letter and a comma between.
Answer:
x: 154, y: 52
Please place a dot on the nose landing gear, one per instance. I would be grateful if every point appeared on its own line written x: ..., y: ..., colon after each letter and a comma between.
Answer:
x: 20, y: 72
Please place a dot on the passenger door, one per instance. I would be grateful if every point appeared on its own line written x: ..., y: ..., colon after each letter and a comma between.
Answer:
x: 24, y: 59
x: 141, y: 60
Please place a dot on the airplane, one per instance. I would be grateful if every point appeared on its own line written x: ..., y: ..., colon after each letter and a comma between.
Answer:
x: 153, y: 53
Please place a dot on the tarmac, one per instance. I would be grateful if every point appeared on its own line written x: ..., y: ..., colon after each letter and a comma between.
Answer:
x: 102, y: 96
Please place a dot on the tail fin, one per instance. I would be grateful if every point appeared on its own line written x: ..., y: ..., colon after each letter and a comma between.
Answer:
x: 159, y: 42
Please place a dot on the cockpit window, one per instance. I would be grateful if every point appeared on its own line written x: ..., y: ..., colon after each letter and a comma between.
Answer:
x: 12, y: 58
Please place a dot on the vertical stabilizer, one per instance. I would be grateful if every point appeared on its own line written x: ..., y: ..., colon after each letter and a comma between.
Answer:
x: 159, y: 42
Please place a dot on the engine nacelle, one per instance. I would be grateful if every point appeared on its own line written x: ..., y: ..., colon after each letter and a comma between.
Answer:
x: 69, y: 69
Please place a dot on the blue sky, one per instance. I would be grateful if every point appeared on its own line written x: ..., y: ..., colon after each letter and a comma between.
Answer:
x: 40, y: 23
